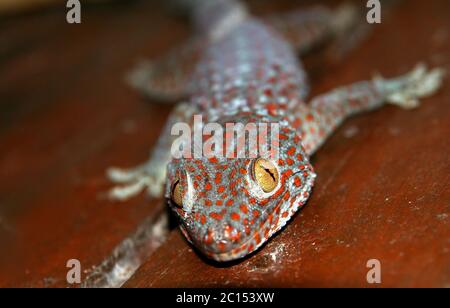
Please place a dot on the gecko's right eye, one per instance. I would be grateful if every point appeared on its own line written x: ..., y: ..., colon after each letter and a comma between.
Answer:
x: 177, y: 193
x: 265, y: 174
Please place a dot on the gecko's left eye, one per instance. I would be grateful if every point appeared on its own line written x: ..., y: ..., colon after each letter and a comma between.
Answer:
x: 265, y: 174
x: 177, y: 193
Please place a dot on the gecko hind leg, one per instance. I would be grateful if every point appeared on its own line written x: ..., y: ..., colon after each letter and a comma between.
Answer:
x: 307, y: 28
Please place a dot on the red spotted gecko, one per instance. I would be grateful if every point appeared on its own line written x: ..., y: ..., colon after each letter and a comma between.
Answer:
x: 242, y: 69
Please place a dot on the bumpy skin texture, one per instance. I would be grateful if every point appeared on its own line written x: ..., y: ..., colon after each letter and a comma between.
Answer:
x: 247, y: 72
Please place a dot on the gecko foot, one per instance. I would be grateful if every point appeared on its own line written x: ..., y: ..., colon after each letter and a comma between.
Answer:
x: 407, y: 90
x: 133, y: 181
x: 345, y: 17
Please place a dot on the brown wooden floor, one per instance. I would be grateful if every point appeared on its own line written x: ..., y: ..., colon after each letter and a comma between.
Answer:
x: 383, y: 189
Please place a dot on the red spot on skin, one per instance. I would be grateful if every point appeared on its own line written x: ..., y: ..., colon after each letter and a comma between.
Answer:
x: 287, y: 173
x: 235, y: 216
x: 266, y: 233
x: 236, y: 236
x: 221, y: 189
x: 257, y: 238
x: 309, y: 117
x: 200, y: 166
x: 272, y: 109
x: 321, y: 133
x: 221, y: 246
x: 201, y: 194
x: 276, y: 221
x: 208, y: 186
x: 291, y: 151
x: 268, y: 92
x: 218, y: 178
x: 233, y: 173
x: 247, y: 230
x: 229, y: 202
x: 278, y: 193
x: 228, y: 230
x: 208, y: 238
x: 233, y: 185
x: 263, y: 202
x: 297, y: 123
x: 216, y: 216
x: 244, y: 208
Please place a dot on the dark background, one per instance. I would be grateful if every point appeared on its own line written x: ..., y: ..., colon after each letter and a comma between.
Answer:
x: 66, y: 114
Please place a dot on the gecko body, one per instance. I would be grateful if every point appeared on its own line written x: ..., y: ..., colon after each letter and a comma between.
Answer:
x: 240, y: 69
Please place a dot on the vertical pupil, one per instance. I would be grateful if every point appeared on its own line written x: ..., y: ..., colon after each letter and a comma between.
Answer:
x: 266, y: 175
x: 176, y: 193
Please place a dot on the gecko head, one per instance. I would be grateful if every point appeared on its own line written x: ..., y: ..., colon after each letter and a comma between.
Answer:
x: 230, y: 206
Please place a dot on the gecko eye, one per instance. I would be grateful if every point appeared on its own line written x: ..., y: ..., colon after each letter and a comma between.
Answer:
x: 177, y: 193
x: 265, y: 174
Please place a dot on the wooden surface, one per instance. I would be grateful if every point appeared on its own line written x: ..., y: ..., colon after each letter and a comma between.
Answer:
x: 66, y: 115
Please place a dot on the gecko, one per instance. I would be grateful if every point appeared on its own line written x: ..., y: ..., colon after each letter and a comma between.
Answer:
x: 241, y: 69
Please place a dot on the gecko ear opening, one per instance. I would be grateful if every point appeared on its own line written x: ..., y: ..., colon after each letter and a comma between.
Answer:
x: 177, y: 193
x: 265, y: 174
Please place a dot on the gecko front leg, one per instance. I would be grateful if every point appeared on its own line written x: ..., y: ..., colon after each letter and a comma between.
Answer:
x: 150, y: 175
x: 326, y: 112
